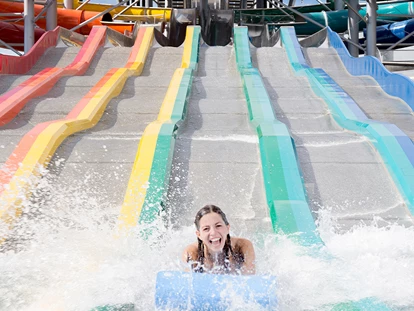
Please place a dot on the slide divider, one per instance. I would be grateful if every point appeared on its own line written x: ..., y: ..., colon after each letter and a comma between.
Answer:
x: 148, y: 183
x: 392, y: 83
x: 285, y: 191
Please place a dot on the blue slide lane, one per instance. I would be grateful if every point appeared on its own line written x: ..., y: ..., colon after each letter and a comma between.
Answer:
x: 392, y: 83
x: 395, y: 148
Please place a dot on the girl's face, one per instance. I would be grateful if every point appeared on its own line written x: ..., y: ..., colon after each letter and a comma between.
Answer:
x: 213, y: 232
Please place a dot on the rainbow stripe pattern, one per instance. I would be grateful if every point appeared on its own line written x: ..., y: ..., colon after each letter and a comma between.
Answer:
x: 21, y: 171
x: 151, y: 170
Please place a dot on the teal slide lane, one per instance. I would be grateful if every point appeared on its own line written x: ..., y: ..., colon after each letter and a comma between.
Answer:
x: 392, y: 83
x: 161, y: 167
x: 395, y: 148
x: 285, y: 193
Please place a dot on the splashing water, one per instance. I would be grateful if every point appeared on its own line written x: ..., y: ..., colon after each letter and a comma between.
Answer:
x: 66, y: 257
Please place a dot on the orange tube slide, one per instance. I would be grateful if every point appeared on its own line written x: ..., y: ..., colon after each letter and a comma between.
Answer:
x: 65, y: 18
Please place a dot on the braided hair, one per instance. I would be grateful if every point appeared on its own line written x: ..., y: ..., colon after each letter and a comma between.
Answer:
x: 227, y: 249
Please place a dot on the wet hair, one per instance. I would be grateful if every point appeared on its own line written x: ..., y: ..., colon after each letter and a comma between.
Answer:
x: 227, y: 249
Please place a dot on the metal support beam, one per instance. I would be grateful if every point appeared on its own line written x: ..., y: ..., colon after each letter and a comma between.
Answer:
x: 371, y: 27
x: 68, y: 4
x: 314, y: 22
x: 356, y: 10
x: 28, y: 24
x: 400, y: 41
x: 2, y: 43
x: 324, y: 5
x: 51, y: 15
x: 339, y: 5
x: 99, y: 14
x: 353, y: 21
x: 260, y: 4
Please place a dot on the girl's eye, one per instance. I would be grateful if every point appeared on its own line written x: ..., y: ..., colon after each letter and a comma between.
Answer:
x: 205, y: 229
x: 218, y: 226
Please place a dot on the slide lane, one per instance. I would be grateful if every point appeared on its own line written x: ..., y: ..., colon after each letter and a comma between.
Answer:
x: 280, y: 92
x: 332, y: 158
x: 107, y: 151
x: 58, y: 102
x: 286, y: 199
x: 395, y: 148
x: 28, y: 95
x: 20, y: 93
x: 216, y: 159
x: 39, y: 144
x: 364, y: 90
x: 145, y: 195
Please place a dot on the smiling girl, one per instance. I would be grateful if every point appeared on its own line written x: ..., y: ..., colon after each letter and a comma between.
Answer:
x: 216, y: 251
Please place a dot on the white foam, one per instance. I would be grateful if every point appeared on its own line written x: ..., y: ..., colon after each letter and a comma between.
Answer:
x: 72, y: 261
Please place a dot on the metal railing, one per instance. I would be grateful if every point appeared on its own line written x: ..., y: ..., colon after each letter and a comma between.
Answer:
x: 10, y: 47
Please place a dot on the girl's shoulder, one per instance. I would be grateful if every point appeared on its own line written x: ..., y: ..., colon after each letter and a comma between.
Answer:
x: 192, y: 248
x: 190, y: 252
x: 241, y: 243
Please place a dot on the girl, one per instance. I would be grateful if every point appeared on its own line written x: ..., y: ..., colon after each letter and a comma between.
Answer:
x: 216, y: 251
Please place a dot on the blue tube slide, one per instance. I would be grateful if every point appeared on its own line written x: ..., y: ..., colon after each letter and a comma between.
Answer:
x: 394, y: 32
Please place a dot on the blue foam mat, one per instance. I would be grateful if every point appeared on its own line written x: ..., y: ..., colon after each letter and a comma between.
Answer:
x: 195, y: 291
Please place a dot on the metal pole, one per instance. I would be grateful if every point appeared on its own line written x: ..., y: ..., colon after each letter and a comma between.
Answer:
x: 125, y: 9
x: 68, y: 4
x: 339, y: 5
x: 371, y: 27
x: 353, y: 21
x: 83, y: 3
x: 51, y: 15
x: 98, y: 15
x: 400, y: 41
x: 28, y: 25
x: 324, y: 5
x: 260, y: 4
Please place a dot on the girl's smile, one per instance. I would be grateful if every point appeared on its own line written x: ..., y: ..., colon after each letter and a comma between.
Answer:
x: 213, y: 232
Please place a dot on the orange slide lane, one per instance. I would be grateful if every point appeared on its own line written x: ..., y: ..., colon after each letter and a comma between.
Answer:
x: 12, y: 64
x: 40, y: 84
x: 20, y: 172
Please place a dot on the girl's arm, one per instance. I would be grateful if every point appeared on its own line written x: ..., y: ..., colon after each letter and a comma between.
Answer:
x: 189, y: 254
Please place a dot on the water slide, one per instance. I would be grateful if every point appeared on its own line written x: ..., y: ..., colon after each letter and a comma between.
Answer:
x: 333, y: 159
x: 209, y: 129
